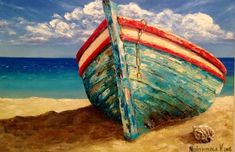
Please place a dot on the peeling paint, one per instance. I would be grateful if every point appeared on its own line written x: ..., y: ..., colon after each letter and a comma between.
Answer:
x: 169, y: 87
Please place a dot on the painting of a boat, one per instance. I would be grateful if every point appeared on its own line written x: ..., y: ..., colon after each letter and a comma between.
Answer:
x: 142, y: 75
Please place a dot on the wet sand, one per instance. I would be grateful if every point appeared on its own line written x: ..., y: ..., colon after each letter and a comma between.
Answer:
x: 73, y: 125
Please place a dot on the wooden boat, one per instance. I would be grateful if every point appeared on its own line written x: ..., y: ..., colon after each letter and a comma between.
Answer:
x: 142, y: 75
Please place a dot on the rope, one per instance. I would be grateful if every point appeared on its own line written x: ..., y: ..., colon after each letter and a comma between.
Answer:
x: 138, y: 61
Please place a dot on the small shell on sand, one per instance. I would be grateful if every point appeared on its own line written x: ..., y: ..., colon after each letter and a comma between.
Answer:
x: 203, y: 133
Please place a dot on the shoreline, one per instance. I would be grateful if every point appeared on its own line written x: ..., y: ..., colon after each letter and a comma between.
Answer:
x: 71, y: 125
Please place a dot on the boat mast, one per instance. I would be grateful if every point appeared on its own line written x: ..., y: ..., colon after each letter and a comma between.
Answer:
x: 124, y: 88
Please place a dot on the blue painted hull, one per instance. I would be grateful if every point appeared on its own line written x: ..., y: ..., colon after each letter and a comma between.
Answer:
x: 142, y: 86
x: 169, y: 88
x: 100, y: 84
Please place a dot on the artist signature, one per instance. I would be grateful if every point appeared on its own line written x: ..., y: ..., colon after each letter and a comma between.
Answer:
x: 219, y: 148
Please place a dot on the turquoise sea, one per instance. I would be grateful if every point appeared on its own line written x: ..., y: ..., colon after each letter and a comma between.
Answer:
x: 58, y: 78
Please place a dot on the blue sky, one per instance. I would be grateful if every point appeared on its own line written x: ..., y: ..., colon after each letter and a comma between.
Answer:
x: 57, y: 28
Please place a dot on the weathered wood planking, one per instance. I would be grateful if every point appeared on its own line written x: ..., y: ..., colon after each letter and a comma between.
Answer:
x: 123, y: 83
x: 141, y: 84
x: 99, y: 79
x: 169, y: 88
x: 173, y: 38
x: 159, y: 95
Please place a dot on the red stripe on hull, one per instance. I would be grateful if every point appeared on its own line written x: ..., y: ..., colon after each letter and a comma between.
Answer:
x: 186, y: 58
x: 97, y: 51
x: 203, y: 53
x: 94, y: 35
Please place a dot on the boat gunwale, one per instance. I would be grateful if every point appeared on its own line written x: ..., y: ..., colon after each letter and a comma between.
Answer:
x: 101, y: 27
x: 94, y: 54
x: 167, y: 50
x: 176, y: 39
x: 155, y: 31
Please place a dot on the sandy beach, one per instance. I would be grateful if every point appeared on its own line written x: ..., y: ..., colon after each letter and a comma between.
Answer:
x: 73, y: 125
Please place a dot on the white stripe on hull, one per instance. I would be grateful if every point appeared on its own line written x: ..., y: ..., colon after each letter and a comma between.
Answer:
x: 93, y: 46
x: 153, y: 39
x: 149, y: 38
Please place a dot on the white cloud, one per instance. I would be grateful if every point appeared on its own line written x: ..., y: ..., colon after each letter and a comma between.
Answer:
x: 22, y: 21
x: 229, y: 35
x: 91, y: 11
x: 133, y: 10
x: 5, y: 28
x: 88, y: 17
x: 40, y: 29
x: 62, y: 29
x: 76, y: 14
x: 77, y: 25
x: 3, y: 24
x: 55, y: 29
x: 34, y: 39
x: 55, y: 15
x: 197, y: 26
x: 73, y: 27
x: 94, y: 9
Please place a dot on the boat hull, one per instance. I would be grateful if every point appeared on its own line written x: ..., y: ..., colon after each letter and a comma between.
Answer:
x: 169, y: 88
x: 143, y: 76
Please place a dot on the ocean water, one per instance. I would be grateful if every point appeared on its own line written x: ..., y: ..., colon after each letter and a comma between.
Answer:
x: 40, y: 77
x: 58, y: 78
x: 228, y: 88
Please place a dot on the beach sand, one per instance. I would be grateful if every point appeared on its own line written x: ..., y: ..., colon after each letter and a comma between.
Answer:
x: 72, y: 125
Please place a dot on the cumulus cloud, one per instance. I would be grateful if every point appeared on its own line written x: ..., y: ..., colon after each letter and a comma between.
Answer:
x: 73, y: 27
x: 43, y: 32
x: 5, y: 28
x: 76, y: 14
x: 88, y: 17
x: 133, y: 10
x: 77, y: 25
x: 197, y: 26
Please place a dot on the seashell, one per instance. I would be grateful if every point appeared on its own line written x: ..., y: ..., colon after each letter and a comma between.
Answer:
x: 203, y: 133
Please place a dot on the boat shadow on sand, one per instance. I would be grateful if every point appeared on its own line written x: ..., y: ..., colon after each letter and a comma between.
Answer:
x: 85, y: 125
x: 82, y: 125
